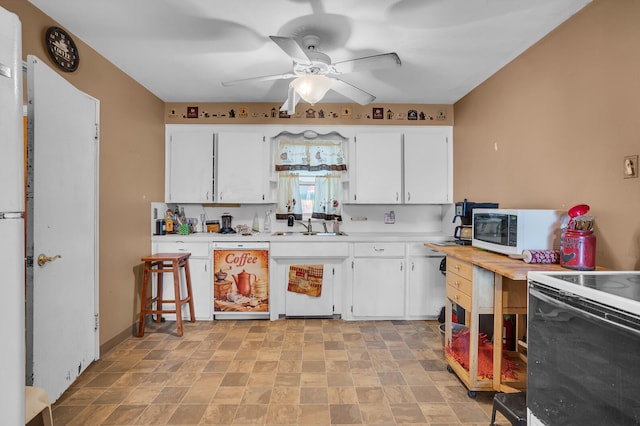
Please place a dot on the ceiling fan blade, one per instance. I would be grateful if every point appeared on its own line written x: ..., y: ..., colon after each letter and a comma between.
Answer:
x: 367, y: 63
x: 292, y: 100
x: 292, y: 48
x: 352, y: 92
x: 258, y: 79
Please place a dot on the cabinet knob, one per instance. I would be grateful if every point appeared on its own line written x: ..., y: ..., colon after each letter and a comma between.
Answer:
x: 457, y: 267
x: 457, y: 283
x: 456, y: 297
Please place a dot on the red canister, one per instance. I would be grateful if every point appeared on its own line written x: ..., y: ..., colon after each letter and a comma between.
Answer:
x: 578, y: 250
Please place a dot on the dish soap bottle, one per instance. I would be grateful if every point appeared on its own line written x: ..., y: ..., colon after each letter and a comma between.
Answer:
x: 256, y: 223
x: 267, y: 221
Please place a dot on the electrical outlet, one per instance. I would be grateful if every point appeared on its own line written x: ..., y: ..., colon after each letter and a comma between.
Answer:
x: 441, y: 115
x: 155, y: 212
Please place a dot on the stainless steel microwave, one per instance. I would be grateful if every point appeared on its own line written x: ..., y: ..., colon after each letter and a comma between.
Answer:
x: 510, y: 231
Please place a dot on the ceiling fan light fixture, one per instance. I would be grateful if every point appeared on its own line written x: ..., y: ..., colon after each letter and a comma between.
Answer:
x: 312, y: 88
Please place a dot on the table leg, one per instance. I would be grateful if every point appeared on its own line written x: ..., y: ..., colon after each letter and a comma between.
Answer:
x: 497, y: 331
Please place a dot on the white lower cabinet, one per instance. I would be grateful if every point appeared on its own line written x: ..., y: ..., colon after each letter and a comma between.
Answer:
x: 378, y: 280
x: 329, y: 255
x: 426, y: 285
x: 396, y: 281
x: 201, y: 278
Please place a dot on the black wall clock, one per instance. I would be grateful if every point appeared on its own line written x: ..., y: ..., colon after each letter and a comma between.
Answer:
x: 62, y: 49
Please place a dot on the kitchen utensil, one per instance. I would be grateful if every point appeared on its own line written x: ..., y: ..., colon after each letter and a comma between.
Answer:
x: 575, y: 211
x: 579, y: 210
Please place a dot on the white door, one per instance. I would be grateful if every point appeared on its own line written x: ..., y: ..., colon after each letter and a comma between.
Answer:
x: 426, y: 168
x: 378, y: 168
x: 426, y: 287
x: 63, y: 133
x: 189, y: 166
x: 241, y: 167
x: 378, y: 287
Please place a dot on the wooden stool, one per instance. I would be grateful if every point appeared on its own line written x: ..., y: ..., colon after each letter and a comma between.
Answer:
x: 36, y: 402
x: 511, y: 405
x: 160, y: 263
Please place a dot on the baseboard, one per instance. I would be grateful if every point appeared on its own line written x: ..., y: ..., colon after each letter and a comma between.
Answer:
x: 119, y: 338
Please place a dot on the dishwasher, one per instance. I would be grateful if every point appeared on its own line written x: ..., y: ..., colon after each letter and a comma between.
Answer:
x: 318, y: 264
x: 240, y: 280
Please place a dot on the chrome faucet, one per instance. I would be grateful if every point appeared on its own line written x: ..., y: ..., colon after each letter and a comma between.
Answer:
x: 308, y: 227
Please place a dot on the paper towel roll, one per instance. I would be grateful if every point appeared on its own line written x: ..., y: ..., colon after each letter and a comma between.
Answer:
x: 541, y: 256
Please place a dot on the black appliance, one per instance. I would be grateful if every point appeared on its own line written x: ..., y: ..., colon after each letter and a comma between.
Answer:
x: 584, y: 348
x: 226, y: 225
x: 463, y: 233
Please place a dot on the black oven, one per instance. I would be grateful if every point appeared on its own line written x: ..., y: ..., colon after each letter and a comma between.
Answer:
x: 584, y: 349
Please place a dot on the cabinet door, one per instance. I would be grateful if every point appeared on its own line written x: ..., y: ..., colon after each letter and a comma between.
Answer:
x: 242, y: 163
x: 301, y: 305
x: 378, y: 168
x: 378, y: 287
x: 189, y: 166
x: 426, y: 287
x: 426, y: 168
x: 202, y: 288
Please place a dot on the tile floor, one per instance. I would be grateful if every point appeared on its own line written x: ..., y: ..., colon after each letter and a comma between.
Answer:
x: 285, y: 372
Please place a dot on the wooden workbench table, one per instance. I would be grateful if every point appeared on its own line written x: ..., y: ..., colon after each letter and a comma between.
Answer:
x: 515, y: 270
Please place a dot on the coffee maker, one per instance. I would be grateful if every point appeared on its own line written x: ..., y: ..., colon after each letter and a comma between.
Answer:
x: 463, y: 233
x: 226, y: 225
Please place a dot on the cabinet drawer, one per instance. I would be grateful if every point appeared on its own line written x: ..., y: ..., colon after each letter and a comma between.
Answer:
x: 419, y: 249
x: 458, y: 283
x: 196, y: 249
x: 458, y: 267
x: 378, y: 250
x: 459, y: 298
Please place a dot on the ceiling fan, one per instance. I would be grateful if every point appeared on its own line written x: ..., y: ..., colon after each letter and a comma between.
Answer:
x: 313, y: 70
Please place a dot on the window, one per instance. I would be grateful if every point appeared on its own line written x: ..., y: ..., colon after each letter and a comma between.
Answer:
x: 309, y: 175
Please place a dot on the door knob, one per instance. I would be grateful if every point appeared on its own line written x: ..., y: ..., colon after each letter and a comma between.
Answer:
x: 42, y: 259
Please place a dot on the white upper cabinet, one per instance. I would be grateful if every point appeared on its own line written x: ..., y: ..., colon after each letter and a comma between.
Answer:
x: 377, y: 164
x: 189, y: 166
x: 242, y: 162
x: 426, y: 167
x: 414, y: 167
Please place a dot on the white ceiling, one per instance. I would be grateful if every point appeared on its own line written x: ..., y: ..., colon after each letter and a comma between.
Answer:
x: 181, y: 50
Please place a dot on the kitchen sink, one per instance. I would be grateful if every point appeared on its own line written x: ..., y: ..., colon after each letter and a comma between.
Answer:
x: 317, y: 234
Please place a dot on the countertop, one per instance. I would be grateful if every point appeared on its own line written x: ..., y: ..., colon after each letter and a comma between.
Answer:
x: 419, y: 237
x: 516, y: 269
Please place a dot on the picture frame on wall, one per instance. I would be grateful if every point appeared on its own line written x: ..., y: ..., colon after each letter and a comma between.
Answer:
x: 630, y: 166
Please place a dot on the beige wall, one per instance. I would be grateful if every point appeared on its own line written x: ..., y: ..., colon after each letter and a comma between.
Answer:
x: 551, y: 129
x: 131, y: 168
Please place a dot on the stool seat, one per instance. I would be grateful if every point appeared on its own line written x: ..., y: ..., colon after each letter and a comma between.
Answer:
x: 513, y: 406
x: 161, y: 263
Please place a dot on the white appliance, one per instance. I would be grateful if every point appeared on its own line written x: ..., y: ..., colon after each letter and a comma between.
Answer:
x: 583, y: 348
x: 510, y: 231
x: 12, y: 356
x: 240, y: 280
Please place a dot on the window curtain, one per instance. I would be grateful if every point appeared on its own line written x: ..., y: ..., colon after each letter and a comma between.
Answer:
x: 288, y: 196
x: 310, y: 155
x: 328, y: 193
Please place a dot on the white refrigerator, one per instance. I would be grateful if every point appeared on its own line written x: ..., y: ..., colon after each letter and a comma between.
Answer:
x: 12, y: 334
